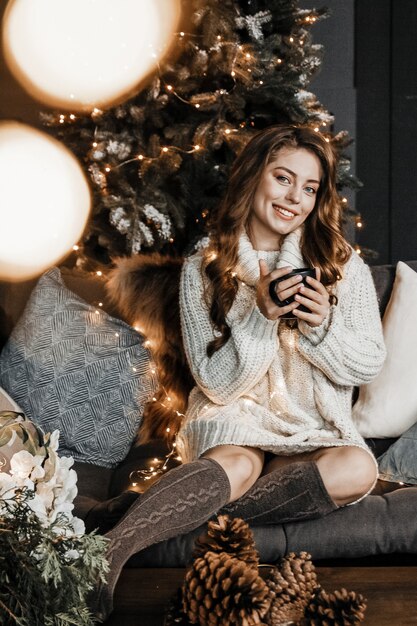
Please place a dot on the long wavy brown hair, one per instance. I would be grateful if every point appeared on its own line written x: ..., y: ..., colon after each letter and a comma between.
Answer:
x: 322, y: 244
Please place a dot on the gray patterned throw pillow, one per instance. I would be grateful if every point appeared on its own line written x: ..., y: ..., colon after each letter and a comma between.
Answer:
x: 75, y: 368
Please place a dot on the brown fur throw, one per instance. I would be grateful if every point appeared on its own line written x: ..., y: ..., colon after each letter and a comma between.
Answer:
x: 145, y: 289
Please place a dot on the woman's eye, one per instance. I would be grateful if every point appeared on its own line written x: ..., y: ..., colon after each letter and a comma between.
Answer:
x: 310, y: 190
x: 282, y: 179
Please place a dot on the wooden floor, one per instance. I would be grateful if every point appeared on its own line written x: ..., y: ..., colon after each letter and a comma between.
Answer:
x: 142, y: 595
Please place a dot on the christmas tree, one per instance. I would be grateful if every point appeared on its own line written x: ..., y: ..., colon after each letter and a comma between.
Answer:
x: 160, y: 161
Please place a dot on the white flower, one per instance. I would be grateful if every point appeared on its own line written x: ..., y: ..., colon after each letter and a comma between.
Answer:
x: 23, y: 463
x: 38, y: 504
x: 49, y: 479
x: 78, y: 526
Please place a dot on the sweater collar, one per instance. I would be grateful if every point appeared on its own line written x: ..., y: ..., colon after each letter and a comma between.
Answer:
x: 248, y: 265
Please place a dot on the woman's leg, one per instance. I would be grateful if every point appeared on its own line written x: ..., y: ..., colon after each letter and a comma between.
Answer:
x: 348, y: 472
x: 307, y: 486
x: 180, y: 501
x: 293, y: 491
x: 243, y: 466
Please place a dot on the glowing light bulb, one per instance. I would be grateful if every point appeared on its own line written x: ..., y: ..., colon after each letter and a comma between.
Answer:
x: 89, y: 65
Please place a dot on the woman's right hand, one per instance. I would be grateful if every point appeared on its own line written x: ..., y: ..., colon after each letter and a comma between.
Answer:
x: 286, y: 288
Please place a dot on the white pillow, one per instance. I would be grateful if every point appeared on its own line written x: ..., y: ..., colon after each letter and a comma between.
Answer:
x: 387, y: 406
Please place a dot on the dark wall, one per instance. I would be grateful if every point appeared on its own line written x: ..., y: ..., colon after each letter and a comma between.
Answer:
x: 335, y: 84
x: 369, y: 82
x: 386, y: 80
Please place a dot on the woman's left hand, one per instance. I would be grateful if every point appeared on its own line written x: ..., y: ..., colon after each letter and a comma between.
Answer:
x: 315, y: 298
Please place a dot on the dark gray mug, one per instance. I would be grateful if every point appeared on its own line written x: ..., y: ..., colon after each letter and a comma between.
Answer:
x: 304, y: 272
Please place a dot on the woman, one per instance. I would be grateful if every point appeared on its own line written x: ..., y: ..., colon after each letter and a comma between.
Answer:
x: 268, y: 434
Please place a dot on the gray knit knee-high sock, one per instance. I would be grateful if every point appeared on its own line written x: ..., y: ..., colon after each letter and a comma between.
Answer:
x: 184, y: 498
x: 290, y: 493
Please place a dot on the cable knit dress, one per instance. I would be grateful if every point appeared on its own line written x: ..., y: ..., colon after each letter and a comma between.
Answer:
x: 281, y: 389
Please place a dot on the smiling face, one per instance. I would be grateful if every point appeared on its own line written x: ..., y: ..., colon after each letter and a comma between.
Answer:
x: 285, y: 196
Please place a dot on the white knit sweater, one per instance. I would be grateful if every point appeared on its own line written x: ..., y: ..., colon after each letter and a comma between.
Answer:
x: 271, y: 387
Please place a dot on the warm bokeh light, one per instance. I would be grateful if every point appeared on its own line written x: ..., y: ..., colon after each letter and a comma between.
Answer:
x: 86, y: 53
x: 44, y: 201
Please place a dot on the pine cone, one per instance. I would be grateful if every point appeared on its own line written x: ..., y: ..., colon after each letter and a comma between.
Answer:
x: 231, y: 535
x: 220, y: 590
x: 292, y: 584
x: 340, y: 608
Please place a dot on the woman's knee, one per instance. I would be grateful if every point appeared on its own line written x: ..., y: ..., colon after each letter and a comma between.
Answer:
x: 348, y: 473
x: 243, y: 465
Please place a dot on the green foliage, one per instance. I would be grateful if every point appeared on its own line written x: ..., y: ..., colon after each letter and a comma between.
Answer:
x: 240, y: 65
x: 41, y: 583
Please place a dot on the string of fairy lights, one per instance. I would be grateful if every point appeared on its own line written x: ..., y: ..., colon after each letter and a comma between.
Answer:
x: 244, y: 60
x: 242, y: 69
x: 157, y: 465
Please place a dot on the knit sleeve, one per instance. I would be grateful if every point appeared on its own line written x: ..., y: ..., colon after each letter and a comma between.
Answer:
x: 349, y: 346
x: 238, y: 365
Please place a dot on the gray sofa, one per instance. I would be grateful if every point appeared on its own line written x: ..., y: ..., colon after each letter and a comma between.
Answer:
x: 379, y: 530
